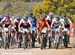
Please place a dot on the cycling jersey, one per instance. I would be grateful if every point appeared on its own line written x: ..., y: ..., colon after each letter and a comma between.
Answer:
x: 24, y: 24
x: 41, y: 23
x: 67, y: 23
x: 16, y: 22
x: 49, y: 22
x: 49, y: 18
x: 7, y: 25
x: 6, y: 22
x: 33, y: 24
x: 56, y: 23
x: 21, y: 23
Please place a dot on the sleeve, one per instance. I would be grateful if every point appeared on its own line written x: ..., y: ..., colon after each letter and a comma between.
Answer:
x: 47, y: 18
x: 29, y: 19
x: 52, y: 22
x: 14, y: 20
x: 3, y: 19
x: 69, y: 21
x: 22, y: 21
x: 46, y: 21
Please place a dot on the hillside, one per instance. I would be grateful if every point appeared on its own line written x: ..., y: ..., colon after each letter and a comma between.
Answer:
x: 16, y: 7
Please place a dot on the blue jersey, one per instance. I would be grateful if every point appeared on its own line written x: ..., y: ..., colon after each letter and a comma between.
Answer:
x: 33, y: 22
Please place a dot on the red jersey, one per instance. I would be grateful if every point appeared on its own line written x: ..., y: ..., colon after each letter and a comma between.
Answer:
x: 41, y: 23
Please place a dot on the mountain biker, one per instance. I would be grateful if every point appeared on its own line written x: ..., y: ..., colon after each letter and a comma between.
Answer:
x: 24, y: 25
x: 42, y: 28
x: 1, y: 31
x: 16, y: 24
x: 1, y: 24
x: 67, y: 24
x: 33, y: 29
x: 56, y: 25
x: 6, y: 27
x: 49, y: 19
x: 13, y: 32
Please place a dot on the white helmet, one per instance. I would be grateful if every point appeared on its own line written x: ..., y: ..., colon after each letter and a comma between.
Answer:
x: 51, y: 13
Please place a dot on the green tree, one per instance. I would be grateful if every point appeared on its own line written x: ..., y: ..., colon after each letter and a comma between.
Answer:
x: 57, y: 6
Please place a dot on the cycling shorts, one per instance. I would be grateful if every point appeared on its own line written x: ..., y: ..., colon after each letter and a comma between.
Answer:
x: 13, y: 29
x: 33, y: 28
x: 22, y: 30
x: 25, y: 30
x: 0, y: 29
x: 5, y: 29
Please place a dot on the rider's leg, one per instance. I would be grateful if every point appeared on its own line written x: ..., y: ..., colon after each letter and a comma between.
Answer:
x: 49, y: 42
x: 65, y: 40
x: 33, y: 39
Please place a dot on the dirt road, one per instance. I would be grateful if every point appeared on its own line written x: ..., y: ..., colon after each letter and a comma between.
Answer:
x: 38, y: 51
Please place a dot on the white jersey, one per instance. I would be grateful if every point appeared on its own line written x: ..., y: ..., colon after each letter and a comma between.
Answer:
x: 21, y: 21
x: 49, y: 18
x: 15, y: 20
x: 69, y: 21
x: 56, y: 23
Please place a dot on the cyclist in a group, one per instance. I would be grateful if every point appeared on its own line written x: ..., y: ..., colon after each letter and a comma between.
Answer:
x: 1, y: 24
x: 16, y: 21
x: 13, y: 32
x: 42, y: 28
x: 25, y: 25
x: 33, y: 29
x: 6, y: 22
x: 56, y: 25
x: 1, y: 31
x: 6, y: 27
x: 49, y: 19
x: 56, y: 22
x: 67, y: 24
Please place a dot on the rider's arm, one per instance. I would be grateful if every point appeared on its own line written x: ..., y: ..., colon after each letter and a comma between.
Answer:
x: 2, y: 20
x: 21, y: 21
x: 47, y: 24
x: 52, y: 23
x: 30, y: 23
x: 37, y: 24
x: 62, y: 22
x: 69, y: 21
x: 19, y: 24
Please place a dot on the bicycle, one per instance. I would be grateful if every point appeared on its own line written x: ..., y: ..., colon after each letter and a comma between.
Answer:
x: 43, y: 39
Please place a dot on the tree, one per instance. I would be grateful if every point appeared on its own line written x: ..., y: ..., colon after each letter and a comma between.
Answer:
x: 57, y: 6
x: 38, y: 9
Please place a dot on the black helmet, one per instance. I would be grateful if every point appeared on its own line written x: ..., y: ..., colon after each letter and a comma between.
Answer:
x: 31, y: 14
